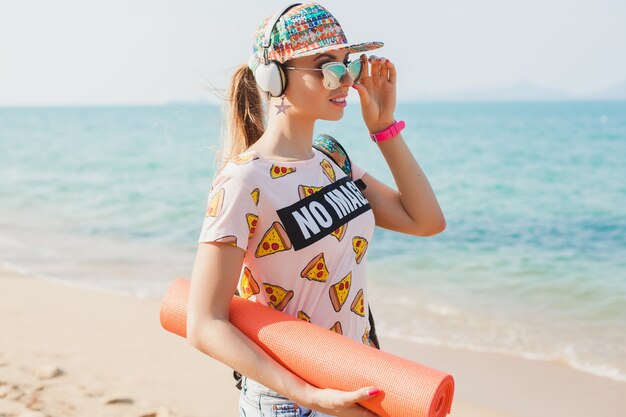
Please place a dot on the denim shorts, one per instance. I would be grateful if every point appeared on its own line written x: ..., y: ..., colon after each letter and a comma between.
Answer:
x: 257, y: 400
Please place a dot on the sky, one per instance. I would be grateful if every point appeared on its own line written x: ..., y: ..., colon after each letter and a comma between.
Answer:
x: 86, y: 52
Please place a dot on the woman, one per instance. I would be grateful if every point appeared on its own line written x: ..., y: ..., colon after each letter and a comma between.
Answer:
x: 284, y: 225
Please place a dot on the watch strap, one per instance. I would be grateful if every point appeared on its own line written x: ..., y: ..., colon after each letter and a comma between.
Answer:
x: 388, y: 133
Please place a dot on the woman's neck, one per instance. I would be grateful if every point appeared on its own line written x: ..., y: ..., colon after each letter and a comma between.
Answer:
x: 288, y: 138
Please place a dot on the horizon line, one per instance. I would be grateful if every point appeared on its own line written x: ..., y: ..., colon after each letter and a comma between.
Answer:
x: 216, y: 104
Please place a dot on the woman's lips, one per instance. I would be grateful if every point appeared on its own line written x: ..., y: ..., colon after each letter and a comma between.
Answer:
x: 339, y: 100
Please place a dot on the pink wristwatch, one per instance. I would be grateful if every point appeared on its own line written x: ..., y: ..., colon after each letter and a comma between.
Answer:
x: 388, y: 133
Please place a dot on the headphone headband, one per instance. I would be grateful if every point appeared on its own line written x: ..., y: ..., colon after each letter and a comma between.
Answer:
x: 267, y: 38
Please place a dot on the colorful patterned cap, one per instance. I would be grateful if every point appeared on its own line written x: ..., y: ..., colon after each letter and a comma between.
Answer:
x: 306, y: 29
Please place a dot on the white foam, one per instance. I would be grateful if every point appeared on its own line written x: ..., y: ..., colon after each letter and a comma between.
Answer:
x: 568, y: 356
x: 441, y: 310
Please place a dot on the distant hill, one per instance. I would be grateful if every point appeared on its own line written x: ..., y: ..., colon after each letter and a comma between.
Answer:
x: 614, y: 92
x: 184, y: 102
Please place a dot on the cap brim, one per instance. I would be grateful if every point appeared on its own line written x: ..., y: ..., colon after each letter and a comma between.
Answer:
x: 352, y: 48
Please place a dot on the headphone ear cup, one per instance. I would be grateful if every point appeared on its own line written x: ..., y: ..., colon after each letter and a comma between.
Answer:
x: 283, y: 79
x: 271, y: 78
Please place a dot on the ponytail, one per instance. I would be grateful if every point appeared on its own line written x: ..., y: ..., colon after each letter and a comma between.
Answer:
x: 244, y: 115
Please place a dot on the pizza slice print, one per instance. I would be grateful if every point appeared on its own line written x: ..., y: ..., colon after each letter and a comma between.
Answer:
x: 316, y: 269
x: 244, y: 158
x: 307, y: 190
x: 340, y: 232
x: 215, y: 205
x: 255, y: 196
x: 249, y: 286
x: 278, y: 297
x: 277, y: 171
x: 303, y: 316
x: 252, y: 220
x: 359, y: 245
x: 274, y: 240
x: 339, y: 292
x: 337, y: 328
x: 358, y: 304
x: 366, y: 337
x: 328, y: 170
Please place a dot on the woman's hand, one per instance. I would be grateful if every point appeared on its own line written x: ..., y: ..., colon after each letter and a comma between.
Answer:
x: 377, y: 91
x: 342, y: 403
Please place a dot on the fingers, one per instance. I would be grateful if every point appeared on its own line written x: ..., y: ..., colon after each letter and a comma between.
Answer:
x: 345, y: 403
x: 364, y: 394
x: 364, y: 412
x: 380, y: 69
x: 361, y: 395
x: 392, y: 72
x: 375, y: 64
x: 365, y: 71
x: 368, y: 413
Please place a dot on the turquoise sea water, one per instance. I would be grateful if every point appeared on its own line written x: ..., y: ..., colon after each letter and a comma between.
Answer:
x: 532, y: 263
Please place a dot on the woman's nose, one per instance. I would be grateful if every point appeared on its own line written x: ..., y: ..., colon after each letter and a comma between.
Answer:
x: 347, y: 80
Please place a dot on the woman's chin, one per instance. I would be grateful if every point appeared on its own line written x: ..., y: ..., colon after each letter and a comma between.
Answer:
x: 334, y: 116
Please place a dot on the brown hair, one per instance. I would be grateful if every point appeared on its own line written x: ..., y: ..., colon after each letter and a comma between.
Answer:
x: 245, y: 115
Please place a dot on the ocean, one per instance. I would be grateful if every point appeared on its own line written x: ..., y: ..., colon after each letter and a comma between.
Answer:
x: 532, y: 262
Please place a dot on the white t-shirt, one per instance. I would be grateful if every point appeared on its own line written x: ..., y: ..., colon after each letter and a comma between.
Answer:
x: 305, y: 228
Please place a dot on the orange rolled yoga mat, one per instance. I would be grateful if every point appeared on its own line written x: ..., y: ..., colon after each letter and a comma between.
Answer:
x: 326, y: 359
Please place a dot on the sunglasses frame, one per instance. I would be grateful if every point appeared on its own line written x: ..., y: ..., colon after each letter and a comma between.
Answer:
x: 328, y: 81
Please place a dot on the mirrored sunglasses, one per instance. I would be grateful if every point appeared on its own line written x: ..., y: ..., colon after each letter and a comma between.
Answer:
x: 334, y: 72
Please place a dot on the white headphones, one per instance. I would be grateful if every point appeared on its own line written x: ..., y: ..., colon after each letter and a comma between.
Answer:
x: 270, y: 75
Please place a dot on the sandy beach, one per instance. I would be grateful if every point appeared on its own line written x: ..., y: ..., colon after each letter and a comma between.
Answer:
x: 69, y: 351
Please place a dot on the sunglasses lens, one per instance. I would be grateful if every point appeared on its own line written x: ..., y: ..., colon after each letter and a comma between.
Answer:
x: 333, y: 75
x: 335, y: 71
x: 354, y: 69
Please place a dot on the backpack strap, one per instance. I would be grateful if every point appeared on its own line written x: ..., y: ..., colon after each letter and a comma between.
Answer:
x: 333, y: 149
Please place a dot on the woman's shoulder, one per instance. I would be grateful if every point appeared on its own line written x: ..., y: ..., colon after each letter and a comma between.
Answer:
x: 244, y: 158
x: 244, y: 166
x: 238, y: 175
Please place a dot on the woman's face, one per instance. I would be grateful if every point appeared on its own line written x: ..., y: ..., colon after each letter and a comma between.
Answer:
x: 306, y: 92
